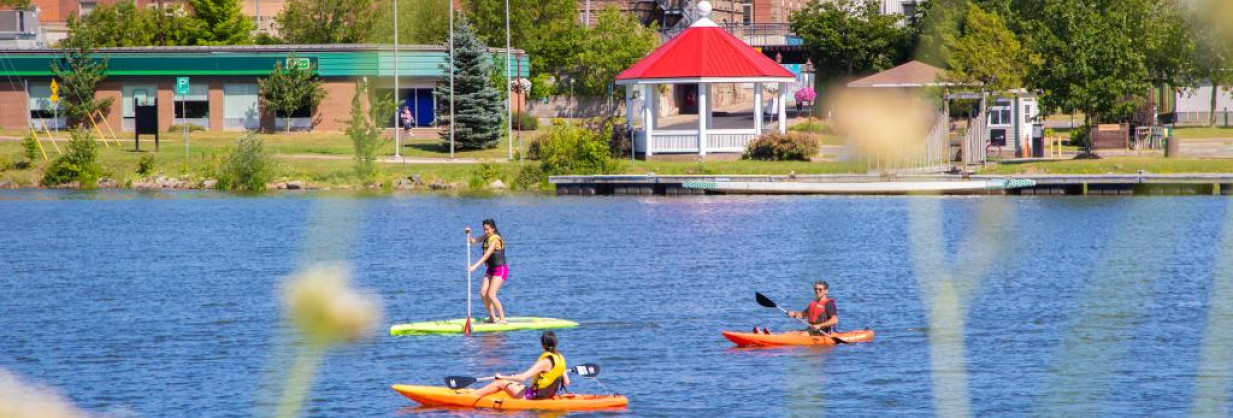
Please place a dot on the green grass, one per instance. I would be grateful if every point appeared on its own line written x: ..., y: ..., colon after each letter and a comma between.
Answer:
x: 1116, y: 165
x: 1203, y: 133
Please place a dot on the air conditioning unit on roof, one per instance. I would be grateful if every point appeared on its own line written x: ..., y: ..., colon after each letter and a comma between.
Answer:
x: 19, y: 24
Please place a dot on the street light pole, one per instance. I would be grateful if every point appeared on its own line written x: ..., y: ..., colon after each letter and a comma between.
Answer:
x: 451, y: 35
x: 509, y: 90
x: 397, y: 96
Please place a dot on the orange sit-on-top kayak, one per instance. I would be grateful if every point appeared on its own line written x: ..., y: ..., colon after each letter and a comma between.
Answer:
x: 753, y: 339
x: 437, y: 396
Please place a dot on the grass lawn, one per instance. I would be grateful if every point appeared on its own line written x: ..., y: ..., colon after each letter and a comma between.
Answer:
x: 1203, y: 133
x: 1116, y: 165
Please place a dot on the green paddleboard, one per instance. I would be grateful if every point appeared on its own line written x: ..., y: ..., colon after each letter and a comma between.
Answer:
x: 454, y: 326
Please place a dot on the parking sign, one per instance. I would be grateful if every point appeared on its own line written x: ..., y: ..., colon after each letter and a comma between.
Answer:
x: 182, y: 86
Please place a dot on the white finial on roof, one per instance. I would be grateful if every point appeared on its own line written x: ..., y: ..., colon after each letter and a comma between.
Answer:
x: 704, y: 15
x: 704, y: 9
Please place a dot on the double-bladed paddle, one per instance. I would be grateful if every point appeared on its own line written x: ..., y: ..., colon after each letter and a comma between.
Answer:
x: 459, y: 382
x: 767, y: 302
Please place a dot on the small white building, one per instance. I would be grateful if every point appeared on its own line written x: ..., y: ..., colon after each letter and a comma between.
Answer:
x: 1194, y: 106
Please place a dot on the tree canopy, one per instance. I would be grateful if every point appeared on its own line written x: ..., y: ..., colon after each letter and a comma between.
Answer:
x: 326, y: 21
x: 851, y: 36
x: 223, y: 22
x: 987, y: 54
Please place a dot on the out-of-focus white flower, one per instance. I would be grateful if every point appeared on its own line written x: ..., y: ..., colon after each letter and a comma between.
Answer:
x: 326, y: 309
x: 20, y: 399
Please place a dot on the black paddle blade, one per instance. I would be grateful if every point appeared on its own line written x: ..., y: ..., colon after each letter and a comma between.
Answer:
x: 586, y: 370
x: 459, y: 382
x: 765, y: 301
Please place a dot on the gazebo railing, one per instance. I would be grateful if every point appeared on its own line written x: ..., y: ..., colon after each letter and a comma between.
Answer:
x: 729, y: 140
x: 682, y: 141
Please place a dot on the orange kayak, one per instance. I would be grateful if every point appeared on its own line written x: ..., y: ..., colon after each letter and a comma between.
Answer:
x: 750, y: 339
x: 437, y: 396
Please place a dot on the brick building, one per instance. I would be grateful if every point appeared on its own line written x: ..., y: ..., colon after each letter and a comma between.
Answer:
x: 223, y: 91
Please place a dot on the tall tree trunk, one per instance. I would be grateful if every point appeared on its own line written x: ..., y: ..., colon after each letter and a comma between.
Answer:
x: 1211, y: 117
x: 287, y: 122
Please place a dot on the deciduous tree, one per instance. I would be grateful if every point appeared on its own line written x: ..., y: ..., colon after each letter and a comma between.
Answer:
x: 987, y: 53
x: 287, y: 90
x: 79, y: 73
x: 223, y: 22
x: 326, y: 21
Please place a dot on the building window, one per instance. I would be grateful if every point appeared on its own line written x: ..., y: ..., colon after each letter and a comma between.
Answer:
x: 301, y: 119
x: 42, y: 112
x: 194, y: 108
x: 909, y: 10
x: 240, y: 110
x: 747, y: 12
x: 999, y: 116
x: 143, y: 94
x: 87, y: 8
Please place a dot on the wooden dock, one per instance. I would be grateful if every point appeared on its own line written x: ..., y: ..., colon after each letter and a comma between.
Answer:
x: 1060, y: 185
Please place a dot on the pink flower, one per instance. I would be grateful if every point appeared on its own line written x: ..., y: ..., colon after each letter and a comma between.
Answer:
x: 805, y: 95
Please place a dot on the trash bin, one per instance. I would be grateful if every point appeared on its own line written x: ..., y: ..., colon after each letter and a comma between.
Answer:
x: 1172, y: 146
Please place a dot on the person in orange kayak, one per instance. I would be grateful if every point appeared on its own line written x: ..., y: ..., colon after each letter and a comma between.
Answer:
x: 821, y: 313
x: 548, y: 375
x: 498, y: 271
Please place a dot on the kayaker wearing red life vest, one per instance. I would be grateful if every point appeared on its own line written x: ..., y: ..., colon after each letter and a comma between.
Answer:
x: 498, y: 271
x: 548, y: 375
x: 820, y: 313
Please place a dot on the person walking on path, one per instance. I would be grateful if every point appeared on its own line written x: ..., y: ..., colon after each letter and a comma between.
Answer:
x: 408, y: 121
x: 498, y: 271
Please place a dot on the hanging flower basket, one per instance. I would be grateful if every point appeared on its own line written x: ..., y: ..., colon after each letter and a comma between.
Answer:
x: 521, y: 85
x: 805, y: 95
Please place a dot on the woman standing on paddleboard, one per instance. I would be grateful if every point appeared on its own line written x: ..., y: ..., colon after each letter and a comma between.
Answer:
x: 498, y: 271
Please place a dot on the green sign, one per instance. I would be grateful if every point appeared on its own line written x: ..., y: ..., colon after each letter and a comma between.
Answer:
x: 297, y: 63
x: 182, y: 86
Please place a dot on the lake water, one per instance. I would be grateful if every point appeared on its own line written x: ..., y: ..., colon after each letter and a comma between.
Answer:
x: 166, y: 304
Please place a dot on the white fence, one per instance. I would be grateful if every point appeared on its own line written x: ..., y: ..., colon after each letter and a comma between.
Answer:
x: 679, y: 141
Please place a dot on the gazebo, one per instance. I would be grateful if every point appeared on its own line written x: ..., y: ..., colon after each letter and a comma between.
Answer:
x: 703, y: 54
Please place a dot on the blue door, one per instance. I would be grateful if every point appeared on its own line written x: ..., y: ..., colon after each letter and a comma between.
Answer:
x: 421, y: 104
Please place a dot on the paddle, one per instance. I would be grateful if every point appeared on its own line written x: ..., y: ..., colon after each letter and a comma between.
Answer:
x: 459, y: 382
x: 466, y: 328
x: 767, y: 302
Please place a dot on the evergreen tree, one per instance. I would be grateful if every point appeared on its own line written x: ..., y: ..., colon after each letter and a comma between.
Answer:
x: 79, y: 74
x: 291, y: 89
x: 223, y: 21
x: 478, y: 109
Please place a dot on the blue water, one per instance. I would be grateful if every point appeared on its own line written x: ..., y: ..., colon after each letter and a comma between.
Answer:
x: 166, y: 304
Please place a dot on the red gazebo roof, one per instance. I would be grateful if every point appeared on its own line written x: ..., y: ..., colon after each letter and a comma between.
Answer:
x: 705, y: 51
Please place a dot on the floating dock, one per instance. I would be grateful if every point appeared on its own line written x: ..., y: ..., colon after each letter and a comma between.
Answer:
x: 852, y: 184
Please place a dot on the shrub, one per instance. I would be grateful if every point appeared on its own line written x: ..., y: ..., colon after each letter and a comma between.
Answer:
x: 783, y: 147
x: 533, y: 150
x: 247, y: 166
x: 526, y: 122
x: 179, y: 127
x: 145, y: 165
x: 30, y: 148
x: 531, y: 177
x: 575, y: 150
x: 79, y: 162
x: 558, y: 121
x: 483, y: 175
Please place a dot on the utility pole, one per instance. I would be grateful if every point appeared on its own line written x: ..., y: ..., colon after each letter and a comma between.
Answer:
x: 509, y: 90
x: 397, y: 92
x: 451, y: 35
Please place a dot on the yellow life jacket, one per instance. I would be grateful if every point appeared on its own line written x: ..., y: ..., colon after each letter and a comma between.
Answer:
x: 553, y: 378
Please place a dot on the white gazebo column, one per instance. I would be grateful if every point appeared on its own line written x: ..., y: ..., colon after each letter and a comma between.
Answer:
x: 757, y: 109
x: 648, y: 118
x: 783, y: 108
x: 704, y: 113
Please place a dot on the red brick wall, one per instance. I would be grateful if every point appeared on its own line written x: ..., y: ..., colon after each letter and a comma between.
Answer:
x: 16, y: 112
x: 216, y: 104
x: 335, y: 109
